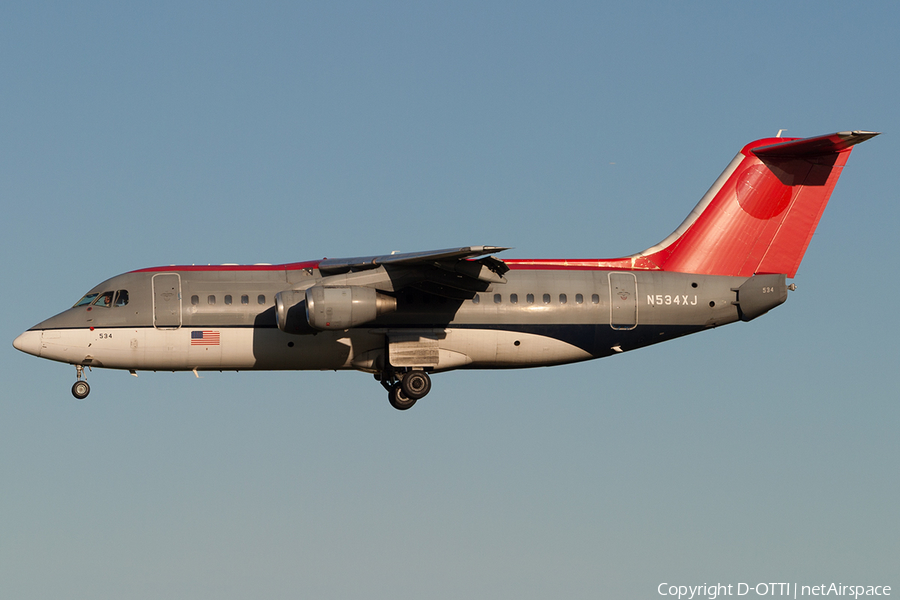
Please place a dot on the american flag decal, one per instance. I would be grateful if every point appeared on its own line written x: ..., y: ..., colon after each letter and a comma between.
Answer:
x: 204, y: 338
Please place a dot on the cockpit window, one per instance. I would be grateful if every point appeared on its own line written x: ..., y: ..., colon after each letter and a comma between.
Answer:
x: 87, y: 299
x: 105, y: 299
x: 121, y: 298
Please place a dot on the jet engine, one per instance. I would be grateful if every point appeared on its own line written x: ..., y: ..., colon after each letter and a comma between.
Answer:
x: 322, y: 308
x: 290, y: 312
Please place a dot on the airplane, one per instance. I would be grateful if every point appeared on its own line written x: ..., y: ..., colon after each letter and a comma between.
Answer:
x: 404, y: 317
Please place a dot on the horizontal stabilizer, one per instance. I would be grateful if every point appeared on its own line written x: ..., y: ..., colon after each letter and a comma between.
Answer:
x: 815, y: 146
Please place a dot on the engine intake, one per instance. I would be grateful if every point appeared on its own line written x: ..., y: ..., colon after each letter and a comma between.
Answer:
x: 290, y: 312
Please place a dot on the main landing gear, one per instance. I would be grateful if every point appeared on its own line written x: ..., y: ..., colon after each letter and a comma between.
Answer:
x: 80, y: 389
x: 404, y: 388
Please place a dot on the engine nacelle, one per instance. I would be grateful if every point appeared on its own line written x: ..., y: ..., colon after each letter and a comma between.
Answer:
x: 322, y: 308
x: 345, y: 307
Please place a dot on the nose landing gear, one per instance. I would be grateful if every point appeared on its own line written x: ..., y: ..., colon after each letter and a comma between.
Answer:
x: 80, y: 389
x: 405, y: 388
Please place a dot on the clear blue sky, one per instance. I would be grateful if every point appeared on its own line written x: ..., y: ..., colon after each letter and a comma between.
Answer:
x: 134, y: 135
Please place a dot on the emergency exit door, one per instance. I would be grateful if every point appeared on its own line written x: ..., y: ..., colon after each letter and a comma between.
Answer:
x: 167, y: 301
x: 623, y: 313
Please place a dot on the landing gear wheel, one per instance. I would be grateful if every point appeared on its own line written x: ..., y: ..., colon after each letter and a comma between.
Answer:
x: 416, y: 384
x: 81, y: 389
x: 399, y: 399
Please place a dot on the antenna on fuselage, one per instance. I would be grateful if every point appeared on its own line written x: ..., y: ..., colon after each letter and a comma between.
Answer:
x: 780, y: 131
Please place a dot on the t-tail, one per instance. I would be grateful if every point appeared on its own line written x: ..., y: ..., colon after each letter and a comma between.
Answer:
x: 760, y: 214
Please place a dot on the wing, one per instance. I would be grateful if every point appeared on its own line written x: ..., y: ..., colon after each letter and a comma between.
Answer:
x: 452, y: 272
x: 331, y: 266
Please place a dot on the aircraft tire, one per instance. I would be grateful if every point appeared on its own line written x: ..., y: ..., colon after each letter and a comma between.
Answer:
x: 398, y: 399
x: 416, y: 384
x: 81, y: 389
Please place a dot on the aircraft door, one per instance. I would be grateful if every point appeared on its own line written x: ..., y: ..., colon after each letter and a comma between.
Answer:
x: 167, y: 301
x: 623, y: 312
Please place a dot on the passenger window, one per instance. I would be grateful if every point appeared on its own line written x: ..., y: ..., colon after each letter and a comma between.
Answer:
x: 497, y: 298
x: 121, y: 298
x: 86, y: 299
x: 245, y: 299
x: 546, y: 298
x: 211, y: 300
x: 579, y: 299
x: 104, y: 300
x: 513, y: 298
x: 261, y: 299
x: 595, y: 299
x: 476, y: 299
x: 228, y: 299
x: 529, y: 298
x: 563, y: 299
x: 195, y: 300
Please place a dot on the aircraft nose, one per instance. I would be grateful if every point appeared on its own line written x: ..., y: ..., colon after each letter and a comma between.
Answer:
x: 29, y: 342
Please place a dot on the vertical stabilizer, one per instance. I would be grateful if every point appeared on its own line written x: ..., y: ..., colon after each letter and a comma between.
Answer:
x: 761, y: 213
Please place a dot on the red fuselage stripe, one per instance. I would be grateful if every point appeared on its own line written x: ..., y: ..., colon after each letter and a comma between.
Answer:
x: 312, y: 264
x: 518, y: 264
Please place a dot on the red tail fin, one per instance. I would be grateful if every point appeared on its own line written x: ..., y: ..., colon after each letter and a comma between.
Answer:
x: 760, y: 215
